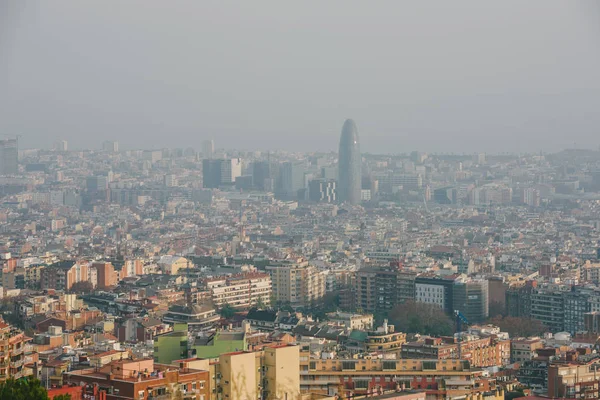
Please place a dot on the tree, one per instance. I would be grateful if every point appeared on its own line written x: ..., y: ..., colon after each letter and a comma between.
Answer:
x: 82, y: 287
x: 227, y: 311
x: 62, y: 397
x: 23, y: 389
x: 414, y: 317
x: 260, y: 304
x: 497, y: 309
x: 518, y: 326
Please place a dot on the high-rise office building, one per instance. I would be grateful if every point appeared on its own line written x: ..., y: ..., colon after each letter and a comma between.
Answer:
x: 291, y: 179
x: 349, y: 164
x: 471, y: 298
x: 61, y: 145
x: 322, y: 190
x: 9, y: 156
x: 261, y: 171
x: 208, y: 149
x: 220, y: 172
x: 111, y: 146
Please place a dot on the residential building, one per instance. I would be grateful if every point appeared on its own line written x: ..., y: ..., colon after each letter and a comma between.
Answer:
x: 16, y: 354
x: 211, y: 344
x: 272, y: 373
x: 547, y: 306
x: 298, y: 284
x: 64, y: 274
x: 173, y: 345
x: 440, y: 378
x: 240, y: 291
x: 577, y: 378
x: 106, y: 275
x: 172, y: 264
x: 198, y: 317
x: 518, y: 299
x: 143, y: 379
x: 384, y: 339
x: 480, y: 351
x: 382, y: 288
x: 524, y: 349
x: 363, y: 322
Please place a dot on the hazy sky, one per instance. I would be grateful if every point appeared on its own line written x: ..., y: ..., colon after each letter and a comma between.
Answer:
x: 438, y: 76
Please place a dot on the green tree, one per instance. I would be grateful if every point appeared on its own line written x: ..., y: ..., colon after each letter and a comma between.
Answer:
x: 227, y: 311
x: 23, y: 389
x: 260, y: 304
x: 62, y: 397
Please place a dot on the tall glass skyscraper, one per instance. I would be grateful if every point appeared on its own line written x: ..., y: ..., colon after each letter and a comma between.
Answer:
x: 349, y: 165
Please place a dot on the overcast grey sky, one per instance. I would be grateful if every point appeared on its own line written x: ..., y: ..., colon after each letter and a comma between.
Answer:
x: 493, y: 76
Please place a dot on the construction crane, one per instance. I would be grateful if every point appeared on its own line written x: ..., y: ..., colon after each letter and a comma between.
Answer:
x: 460, y: 320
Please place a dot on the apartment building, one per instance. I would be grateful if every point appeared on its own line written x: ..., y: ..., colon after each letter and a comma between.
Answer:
x: 64, y: 274
x: 524, y: 349
x: 480, y: 352
x: 381, y: 288
x: 106, y: 276
x: 518, y: 299
x: 590, y: 272
x: 240, y: 291
x: 298, y: 284
x: 143, y: 379
x: 16, y: 354
x: 270, y: 374
x: 576, y: 378
x: 440, y: 378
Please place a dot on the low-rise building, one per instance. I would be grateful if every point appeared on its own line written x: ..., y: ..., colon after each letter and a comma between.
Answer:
x: 524, y: 349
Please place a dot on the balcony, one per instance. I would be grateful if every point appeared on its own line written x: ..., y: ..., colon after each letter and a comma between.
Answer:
x: 16, y: 351
x: 16, y: 364
x: 166, y: 396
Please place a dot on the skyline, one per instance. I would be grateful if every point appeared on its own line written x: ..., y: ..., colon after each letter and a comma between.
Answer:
x: 453, y: 79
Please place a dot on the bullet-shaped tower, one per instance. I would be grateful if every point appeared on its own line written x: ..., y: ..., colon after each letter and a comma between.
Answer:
x: 349, y: 165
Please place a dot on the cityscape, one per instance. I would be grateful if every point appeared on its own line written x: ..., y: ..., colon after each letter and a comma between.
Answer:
x: 326, y: 200
x: 222, y: 274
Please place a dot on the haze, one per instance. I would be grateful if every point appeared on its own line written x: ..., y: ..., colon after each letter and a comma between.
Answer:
x: 460, y: 76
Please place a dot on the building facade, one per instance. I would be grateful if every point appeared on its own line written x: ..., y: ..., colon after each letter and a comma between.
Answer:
x: 241, y: 290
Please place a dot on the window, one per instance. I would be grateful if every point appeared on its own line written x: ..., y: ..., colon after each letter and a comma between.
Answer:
x: 348, y: 365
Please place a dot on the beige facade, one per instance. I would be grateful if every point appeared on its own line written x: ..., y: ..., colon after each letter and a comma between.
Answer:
x: 298, y: 284
x: 363, y: 322
x: 270, y: 374
x: 440, y: 378
x: 241, y: 290
x: 524, y: 349
x: 282, y: 372
x: 172, y: 264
